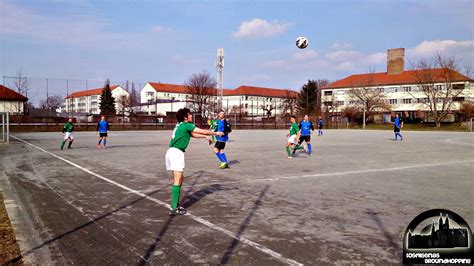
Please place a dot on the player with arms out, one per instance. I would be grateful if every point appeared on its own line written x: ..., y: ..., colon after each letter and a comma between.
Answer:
x: 292, y: 137
x: 306, y: 127
x: 222, y: 126
x: 174, y: 158
x: 103, y: 128
x: 67, y: 130
x: 397, y: 125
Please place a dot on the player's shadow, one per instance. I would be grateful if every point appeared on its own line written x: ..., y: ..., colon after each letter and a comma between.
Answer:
x: 234, y: 162
x: 230, y: 249
x: 93, y: 221
x: 189, y: 198
x: 391, y: 242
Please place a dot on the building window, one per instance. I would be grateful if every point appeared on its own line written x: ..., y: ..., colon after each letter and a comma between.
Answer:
x: 246, y: 98
x: 149, y: 93
x: 439, y: 87
x: 406, y: 101
x: 458, y: 99
x: 327, y: 93
x: 327, y: 104
x: 458, y: 86
x: 381, y: 89
x: 407, y: 89
x: 393, y: 101
x: 340, y: 103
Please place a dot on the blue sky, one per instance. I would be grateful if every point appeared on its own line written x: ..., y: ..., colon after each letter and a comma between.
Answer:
x: 168, y: 41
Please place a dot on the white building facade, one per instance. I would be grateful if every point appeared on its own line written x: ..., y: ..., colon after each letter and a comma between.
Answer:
x: 159, y: 98
x: 401, y: 90
x: 88, y: 101
x: 11, y: 101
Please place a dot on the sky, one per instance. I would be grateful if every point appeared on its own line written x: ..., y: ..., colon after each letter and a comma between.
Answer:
x: 168, y: 41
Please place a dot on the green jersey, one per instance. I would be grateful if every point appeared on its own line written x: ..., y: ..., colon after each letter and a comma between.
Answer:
x: 294, y: 129
x: 68, y: 127
x: 182, y: 136
x: 214, y: 124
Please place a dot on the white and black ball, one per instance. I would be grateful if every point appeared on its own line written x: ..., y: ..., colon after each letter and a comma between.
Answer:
x: 302, y: 42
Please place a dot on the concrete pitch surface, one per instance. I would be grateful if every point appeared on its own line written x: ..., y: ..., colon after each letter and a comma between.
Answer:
x: 349, y: 202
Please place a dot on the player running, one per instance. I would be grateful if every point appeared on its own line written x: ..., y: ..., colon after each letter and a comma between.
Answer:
x: 67, y: 130
x: 320, y: 126
x: 182, y: 134
x: 397, y: 125
x: 103, y: 128
x: 306, y: 127
x: 222, y: 126
x: 292, y: 137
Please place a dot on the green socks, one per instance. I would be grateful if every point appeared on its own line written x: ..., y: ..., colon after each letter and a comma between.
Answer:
x: 175, y: 191
x: 288, y: 151
x: 62, y: 144
x: 298, y: 147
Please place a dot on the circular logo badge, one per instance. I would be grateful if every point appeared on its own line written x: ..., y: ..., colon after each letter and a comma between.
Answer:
x: 438, y: 236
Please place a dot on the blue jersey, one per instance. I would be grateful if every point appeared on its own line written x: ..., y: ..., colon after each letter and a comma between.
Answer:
x: 306, y: 127
x: 396, y: 122
x: 220, y: 128
x: 103, y: 126
x: 320, y: 122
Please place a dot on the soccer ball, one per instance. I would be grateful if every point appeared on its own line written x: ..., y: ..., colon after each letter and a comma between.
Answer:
x: 302, y: 42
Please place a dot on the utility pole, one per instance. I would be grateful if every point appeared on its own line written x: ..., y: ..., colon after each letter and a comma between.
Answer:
x: 363, y: 122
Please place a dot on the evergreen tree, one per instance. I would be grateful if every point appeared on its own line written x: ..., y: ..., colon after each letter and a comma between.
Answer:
x: 107, y: 101
x: 307, y: 98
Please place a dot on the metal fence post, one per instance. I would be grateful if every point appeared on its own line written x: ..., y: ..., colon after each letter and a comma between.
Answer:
x: 8, y: 128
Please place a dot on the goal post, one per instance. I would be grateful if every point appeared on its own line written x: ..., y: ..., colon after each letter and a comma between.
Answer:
x: 5, y: 127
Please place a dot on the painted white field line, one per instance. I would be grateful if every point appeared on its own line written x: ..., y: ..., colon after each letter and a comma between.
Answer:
x: 452, y: 141
x: 337, y: 173
x: 159, y: 202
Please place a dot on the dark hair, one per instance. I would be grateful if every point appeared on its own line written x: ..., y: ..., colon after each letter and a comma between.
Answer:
x: 221, y: 111
x: 293, y: 116
x: 182, y: 113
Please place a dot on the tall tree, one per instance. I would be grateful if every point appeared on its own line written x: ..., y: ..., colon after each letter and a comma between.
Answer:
x: 130, y: 102
x: 202, y: 90
x: 107, y: 101
x: 289, y: 103
x: 440, y: 84
x: 368, y: 96
x: 307, y: 98
x: 51, y: 102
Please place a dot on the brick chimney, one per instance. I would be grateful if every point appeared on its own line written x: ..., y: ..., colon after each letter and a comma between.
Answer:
x: 395, y: 61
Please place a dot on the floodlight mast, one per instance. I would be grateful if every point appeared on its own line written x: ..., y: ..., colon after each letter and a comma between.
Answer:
x: 220, y: 76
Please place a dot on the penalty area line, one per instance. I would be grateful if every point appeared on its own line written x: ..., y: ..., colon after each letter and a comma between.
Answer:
x: 159, y: 202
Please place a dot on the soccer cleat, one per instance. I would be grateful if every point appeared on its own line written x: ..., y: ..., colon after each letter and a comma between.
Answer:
x: 177, y: 211
x: 224, y: 166
x: 289, y: 157
x: 98, y: 146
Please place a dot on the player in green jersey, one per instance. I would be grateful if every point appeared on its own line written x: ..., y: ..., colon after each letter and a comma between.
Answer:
x: 67, y: 130
x: 213, y: 123
x: 293, y: 137
x: 182, y: 134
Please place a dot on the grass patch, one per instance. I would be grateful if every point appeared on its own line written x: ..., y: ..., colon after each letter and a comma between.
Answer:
x: 9, y: 248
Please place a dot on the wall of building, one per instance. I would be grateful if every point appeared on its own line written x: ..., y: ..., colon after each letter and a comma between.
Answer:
x: 11, y: 107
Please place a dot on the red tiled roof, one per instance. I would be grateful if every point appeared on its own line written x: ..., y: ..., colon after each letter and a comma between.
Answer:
x: 242, y: 90
x: 383, y: 79
x: 90, y: 92
x: 7, y: 94
x: 259, y: 91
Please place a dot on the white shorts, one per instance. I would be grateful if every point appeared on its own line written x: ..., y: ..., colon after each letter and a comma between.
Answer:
x: 174, y: 160
x: 68, y: 135
x: 292, y: 139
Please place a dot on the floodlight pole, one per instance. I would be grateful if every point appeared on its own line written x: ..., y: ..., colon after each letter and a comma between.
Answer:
x: 8, y: 128
x: 363, y: 122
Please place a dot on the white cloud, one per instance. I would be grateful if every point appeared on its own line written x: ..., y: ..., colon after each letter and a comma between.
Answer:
x: 259, y: 28
x: 180, y: 59
x: 83, y: 30
x: 275, y: 64
x: 376, y: 58
x: 339, y: 56
x: 446, y: 47
x: 340, y: 46
x: 305, y: 55
x: 160, y: 29
x: 257, y: 78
